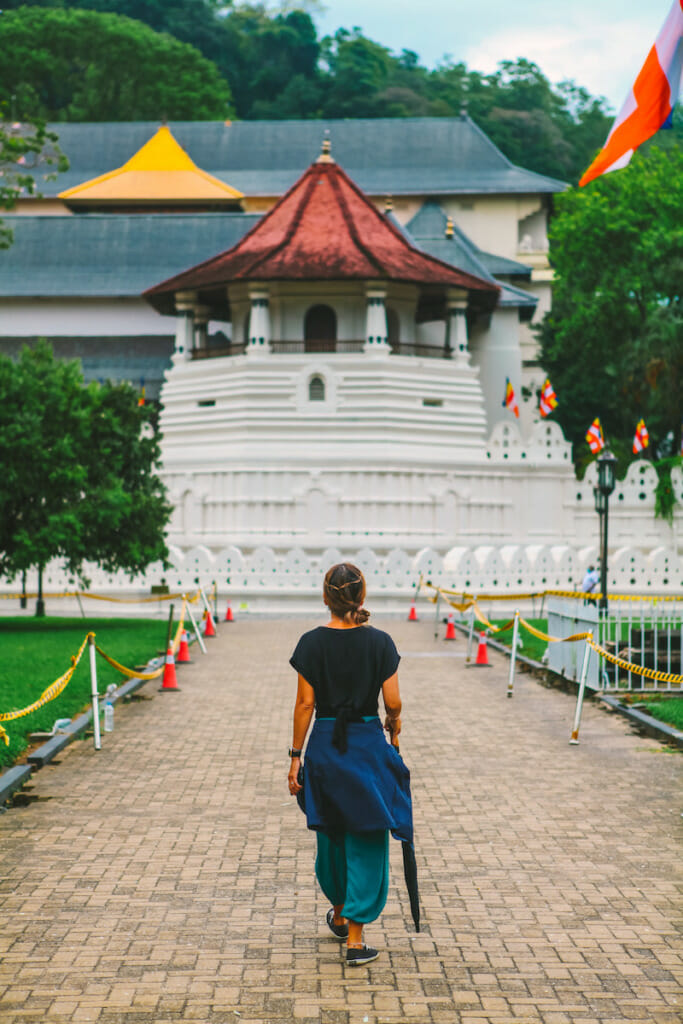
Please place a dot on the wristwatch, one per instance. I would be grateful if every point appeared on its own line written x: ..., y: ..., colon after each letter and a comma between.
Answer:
x: 293, y: 753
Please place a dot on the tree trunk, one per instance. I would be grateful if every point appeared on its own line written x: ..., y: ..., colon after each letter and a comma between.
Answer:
x: 40, y: 604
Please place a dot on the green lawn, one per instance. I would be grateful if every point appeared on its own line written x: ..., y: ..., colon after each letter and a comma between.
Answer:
x: 531, y: 646
x: 668, y: 709
x: 35, y: 652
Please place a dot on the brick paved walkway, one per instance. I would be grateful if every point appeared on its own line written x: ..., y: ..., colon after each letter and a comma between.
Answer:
x: 158, y: 880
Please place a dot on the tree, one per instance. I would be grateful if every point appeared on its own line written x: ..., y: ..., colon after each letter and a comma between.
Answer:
x: 613, y: 342
x: 77, y: 465
x: 190, y: 21
x: 27, y: 151
x: 271, y: 63
x: 74, y: 65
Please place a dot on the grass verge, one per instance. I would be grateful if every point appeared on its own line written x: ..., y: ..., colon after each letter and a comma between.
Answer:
x: 35, y: 652
x: 531, y: 647
x: 666, y: 709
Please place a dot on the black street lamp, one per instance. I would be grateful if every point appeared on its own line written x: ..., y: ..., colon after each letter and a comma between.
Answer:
x: 606, y: 484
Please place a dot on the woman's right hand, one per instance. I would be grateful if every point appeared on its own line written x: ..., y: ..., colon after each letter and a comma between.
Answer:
x: 292, y: 779
x: 393, y: 727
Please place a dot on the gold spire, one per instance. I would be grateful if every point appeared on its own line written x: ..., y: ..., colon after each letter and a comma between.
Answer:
x: 449, y: 228
x: 325, y: 155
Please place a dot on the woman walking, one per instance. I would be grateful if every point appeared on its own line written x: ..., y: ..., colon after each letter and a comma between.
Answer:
x: 355, y: 788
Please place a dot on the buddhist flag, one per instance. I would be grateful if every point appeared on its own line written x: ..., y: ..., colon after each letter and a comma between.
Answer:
x: 510, y: 401
x: 548, y: 399
x: 641, y: 438
x: 141, y: 399
x: 650, y: 103
x: 596, y: 442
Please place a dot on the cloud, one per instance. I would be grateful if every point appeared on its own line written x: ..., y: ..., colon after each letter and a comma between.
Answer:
x: 603, y: 58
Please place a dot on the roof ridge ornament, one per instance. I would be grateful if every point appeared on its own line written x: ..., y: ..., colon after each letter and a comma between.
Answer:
x: 325, y: 155
x: 389, y: 204
x: 449, y: 228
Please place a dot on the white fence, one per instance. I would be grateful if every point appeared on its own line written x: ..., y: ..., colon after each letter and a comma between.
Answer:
x: 647, y: 633
x: 269, y: 579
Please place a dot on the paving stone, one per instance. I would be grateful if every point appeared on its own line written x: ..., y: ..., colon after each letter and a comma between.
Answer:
x: 169, y: 877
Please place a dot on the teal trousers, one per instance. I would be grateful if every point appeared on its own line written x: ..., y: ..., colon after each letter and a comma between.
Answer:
x: 353, y: 869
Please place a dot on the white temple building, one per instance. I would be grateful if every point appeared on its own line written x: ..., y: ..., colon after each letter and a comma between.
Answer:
x: 331, y: 382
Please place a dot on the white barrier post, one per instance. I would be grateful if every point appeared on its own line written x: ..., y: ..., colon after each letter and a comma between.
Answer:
x: 582, y: 687
x: 93, y: 691
x: 200, y: 639
x: 471, y: 636
x: 436, y: 614
x: 513, y: 657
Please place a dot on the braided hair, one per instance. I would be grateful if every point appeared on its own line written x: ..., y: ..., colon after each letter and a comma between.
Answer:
x: 344, y: 591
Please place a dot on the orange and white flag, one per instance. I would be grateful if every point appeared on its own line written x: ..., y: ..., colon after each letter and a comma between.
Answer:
x: 510, y: 399
x: 548, y: 399
x: 641, y: 438
x: 650, y: 103
x: 596, y: 441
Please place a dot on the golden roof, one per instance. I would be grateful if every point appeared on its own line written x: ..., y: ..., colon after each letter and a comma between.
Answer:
x: 160, y: 172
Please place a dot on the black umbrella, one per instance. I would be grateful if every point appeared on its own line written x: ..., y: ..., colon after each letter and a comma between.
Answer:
x: 410, y: 875
x: 410, y: 872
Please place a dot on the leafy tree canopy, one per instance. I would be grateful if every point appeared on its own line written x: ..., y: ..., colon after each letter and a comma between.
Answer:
x: 78, y: 469
x: 276, y: 66
x: 28, y: 154
x: 613, y: 342
x: 81, y: 65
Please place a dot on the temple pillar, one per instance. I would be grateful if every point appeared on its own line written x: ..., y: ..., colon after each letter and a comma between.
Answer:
x: 456, y: 325
x: 201, y: 319
x: 376, y: 332
x: 258, y: 342
x: 184, y: 330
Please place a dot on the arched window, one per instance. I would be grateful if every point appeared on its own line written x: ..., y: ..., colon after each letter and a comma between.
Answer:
x: 320, y: 329
x: 316, y: 389
x: 393, y: 327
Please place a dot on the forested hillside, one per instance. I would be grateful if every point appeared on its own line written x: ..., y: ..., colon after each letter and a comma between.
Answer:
x: 273, y: 65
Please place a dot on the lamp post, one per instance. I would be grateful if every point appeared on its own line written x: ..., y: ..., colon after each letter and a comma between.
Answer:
x: 606, y: 484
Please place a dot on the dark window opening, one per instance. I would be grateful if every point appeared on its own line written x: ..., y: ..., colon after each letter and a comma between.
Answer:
x: 316, y: 389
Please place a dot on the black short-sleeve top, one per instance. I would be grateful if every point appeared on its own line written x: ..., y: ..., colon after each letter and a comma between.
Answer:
x: 345, y: 667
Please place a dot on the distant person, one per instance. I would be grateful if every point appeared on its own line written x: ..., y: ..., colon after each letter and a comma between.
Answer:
x: 591, y: 583
x: 356, y: 788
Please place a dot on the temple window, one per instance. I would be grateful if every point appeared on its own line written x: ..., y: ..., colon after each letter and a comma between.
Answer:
x: 316, y: 389
x: 320, y: 325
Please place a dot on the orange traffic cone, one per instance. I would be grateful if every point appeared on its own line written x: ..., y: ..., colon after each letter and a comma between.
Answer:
x: 169, y: 682
x: 412, y: 614
x: 209, y: 628
x: 229, y: 617
x: 450, y: 628
x: 183, y: 651
x: 482, y: 652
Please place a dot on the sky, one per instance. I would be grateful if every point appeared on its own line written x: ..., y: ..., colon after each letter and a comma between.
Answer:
x: 600, y: 44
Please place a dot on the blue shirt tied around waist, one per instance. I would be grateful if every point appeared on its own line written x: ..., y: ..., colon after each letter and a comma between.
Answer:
x: 362, y: 790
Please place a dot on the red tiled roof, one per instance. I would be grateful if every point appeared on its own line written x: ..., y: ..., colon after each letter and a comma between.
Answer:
x: 323, y: 228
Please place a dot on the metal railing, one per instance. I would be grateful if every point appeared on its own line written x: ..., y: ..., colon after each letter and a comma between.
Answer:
x: 647, y: 632
x: 336, y: 347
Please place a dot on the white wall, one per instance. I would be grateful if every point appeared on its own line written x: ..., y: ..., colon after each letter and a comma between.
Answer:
x: 81, y: 318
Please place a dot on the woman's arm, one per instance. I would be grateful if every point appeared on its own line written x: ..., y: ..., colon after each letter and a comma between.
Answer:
x: 303, y: 712
x: 392, y: 706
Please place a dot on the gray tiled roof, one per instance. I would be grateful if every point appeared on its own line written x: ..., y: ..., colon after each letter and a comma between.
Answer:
x: 425, y: 156
x: 111, y: 254
x: 429, y: 223
x: 428, y: 230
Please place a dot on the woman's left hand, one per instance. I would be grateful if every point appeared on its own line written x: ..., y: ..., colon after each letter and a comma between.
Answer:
x: 294, y: 786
